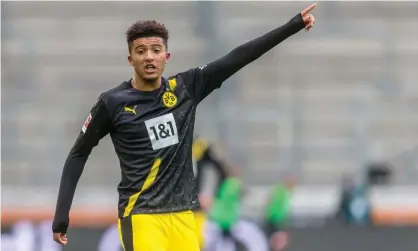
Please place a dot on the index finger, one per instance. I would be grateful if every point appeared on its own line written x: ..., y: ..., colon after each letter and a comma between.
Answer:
x: 307, y: 10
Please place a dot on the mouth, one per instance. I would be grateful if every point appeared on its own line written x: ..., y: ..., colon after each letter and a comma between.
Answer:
x: 150, y: 68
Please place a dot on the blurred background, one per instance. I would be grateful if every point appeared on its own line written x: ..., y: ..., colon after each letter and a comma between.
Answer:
x: 335, y: 108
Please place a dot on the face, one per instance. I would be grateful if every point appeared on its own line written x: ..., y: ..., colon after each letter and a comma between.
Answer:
x: 148, y: 56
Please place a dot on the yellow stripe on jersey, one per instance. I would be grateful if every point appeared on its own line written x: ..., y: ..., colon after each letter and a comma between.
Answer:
x: 120, y: 235
x: 198, y: 149
x: 149, y: 180
x: 172, y: 84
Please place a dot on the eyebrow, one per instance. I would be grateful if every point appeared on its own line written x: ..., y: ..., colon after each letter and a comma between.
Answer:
x: 141, y: 45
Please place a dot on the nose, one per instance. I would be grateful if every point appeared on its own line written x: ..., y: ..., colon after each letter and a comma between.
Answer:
x: 149, y: 56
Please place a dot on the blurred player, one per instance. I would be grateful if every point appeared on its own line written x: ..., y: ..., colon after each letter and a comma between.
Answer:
x: 150, y: 120
x: 225, y: 230
x: 277, y: 213
x: 204, y: 158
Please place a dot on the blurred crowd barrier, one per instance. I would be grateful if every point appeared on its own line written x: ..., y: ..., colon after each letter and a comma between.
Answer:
x: 321, y: 105
x: 387, y: 207
x: 36, y: 237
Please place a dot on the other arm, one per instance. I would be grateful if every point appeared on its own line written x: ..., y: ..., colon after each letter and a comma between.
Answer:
x: 95, y: 128
x: 211, y: 76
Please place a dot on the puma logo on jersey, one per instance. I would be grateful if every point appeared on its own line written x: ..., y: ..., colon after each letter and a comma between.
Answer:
x: 127, y: 109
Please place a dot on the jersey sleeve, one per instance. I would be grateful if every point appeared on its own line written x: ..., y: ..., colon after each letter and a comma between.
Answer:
x: 203, y: 80
x: 96, y: 126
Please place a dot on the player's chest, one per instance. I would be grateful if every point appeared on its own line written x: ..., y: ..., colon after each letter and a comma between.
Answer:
x: 156, y: 120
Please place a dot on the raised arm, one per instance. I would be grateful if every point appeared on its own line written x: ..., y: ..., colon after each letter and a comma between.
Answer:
x: 95, y: 128
x: 203, y: 80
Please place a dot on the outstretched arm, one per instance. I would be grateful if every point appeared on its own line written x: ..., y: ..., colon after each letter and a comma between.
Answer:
x: 95, y: 128
x: 209, y: 77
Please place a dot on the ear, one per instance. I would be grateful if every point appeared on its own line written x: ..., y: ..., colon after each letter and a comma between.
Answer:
x: 130, y: 60
x: 167, y: 57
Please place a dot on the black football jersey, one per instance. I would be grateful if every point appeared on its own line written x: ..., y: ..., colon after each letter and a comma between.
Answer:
x: 152, y: 132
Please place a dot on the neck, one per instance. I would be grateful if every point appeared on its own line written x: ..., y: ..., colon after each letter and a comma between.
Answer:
x: 144, y: 85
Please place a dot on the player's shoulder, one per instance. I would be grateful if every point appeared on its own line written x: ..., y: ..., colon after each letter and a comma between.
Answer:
x: 188, y: 74
x: 199, y: 147
x: 111, y: 94
x: 198, y: 140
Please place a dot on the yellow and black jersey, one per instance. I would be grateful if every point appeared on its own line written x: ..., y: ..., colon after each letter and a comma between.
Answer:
x: 152, y: 133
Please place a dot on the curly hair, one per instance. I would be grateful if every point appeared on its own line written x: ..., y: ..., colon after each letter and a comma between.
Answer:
x: 148, y: 28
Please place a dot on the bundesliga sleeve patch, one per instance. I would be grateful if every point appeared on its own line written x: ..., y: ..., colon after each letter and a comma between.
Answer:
x: 86, y: 124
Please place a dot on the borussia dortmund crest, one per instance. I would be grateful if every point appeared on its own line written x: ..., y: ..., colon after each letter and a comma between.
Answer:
x: 169, y: 99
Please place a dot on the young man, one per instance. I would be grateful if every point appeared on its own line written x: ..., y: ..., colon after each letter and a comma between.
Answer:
x: 150, y: 120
